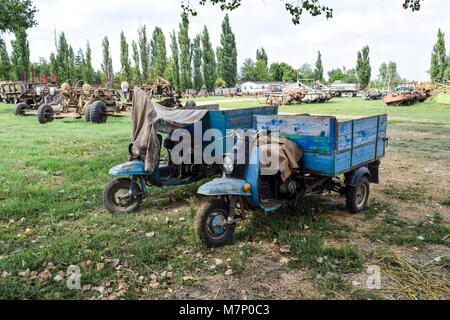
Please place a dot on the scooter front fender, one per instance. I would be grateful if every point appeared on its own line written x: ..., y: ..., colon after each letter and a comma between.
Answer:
x: 133, y: 168
x: 223, y: 187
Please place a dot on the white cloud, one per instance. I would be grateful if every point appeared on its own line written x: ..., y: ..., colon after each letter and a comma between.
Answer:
x: 391, y: 32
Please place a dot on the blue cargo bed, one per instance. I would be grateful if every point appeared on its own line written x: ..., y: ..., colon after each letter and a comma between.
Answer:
x: 332, y: 148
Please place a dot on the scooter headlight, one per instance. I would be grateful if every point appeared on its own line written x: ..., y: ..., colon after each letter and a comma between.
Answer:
x: 228, y: 165
x: 134, y: 151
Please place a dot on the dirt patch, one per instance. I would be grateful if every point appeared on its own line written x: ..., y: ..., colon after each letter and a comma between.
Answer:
x: 264, y: 277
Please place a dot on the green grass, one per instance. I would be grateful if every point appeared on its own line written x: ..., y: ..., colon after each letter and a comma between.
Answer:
x: 400, y: 231
x: 51, y: 183
x: 427, y: 113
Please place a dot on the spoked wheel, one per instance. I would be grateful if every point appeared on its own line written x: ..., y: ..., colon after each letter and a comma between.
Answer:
x: 117, y: 197
x: 211, y: 224
x: 358, y: 196
x: 45, y: 114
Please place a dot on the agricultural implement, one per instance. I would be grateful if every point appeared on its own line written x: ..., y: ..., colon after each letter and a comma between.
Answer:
x: 314, y: 151
x: 407, y: 97
x: 11, y: 91
x: 371, y: 94
x: 286, y: 97
x: 32, y: 99
x: 316, y: 93
x: 94, y: 103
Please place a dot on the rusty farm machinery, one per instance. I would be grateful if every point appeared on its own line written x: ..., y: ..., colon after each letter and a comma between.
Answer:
x: 94, y: 103
x: 406, y: 97
x: 316, y: 92
x: 31, y: 99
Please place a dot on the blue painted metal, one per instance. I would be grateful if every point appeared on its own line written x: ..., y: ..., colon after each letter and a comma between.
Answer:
x: 223, y: 187
x: 252, y: 176
x: 352, y: 178
x: 331, y: 148
x: 133, y: 168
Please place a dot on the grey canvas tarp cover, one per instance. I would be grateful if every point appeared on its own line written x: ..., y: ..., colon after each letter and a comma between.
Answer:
x: 146, y: 118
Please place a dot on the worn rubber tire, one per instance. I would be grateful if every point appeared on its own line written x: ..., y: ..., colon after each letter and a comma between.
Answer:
x: 43, y: 114
x: 190, y: 104
x: 98, y: 112
x: 201, y: 228
x: 109, y: 193
x: 20, y: 108
x: 352, y: 196
x: 87, y: 114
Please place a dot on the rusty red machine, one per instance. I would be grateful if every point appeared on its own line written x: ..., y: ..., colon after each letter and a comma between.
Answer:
x: 407, y: 97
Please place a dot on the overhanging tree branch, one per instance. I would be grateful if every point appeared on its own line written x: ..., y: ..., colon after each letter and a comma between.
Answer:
x: 295, y: 8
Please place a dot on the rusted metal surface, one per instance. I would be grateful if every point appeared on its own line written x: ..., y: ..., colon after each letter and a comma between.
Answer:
x: 286, y: 97
x: 164, y: 93
x: 371, y: 94
x: 316, y: 92
x: 407, y: 97
x: 11, y: 91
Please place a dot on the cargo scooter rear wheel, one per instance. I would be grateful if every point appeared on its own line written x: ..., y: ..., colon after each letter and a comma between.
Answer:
x: 117, y: 199
x: 358, y: 196
x: 208, y: 224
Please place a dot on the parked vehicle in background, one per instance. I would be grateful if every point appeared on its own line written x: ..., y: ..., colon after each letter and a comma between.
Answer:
x: 345, y: 89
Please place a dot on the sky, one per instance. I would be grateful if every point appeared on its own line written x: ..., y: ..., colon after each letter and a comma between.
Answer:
x: 392, y: 33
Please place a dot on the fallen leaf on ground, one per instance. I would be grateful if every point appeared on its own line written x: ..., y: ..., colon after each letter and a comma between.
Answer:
x: 58, y: 278
x: 285, y: 249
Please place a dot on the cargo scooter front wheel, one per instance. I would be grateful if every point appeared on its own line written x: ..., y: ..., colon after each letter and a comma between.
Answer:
x: 211, y: 226
x: 117, y: 197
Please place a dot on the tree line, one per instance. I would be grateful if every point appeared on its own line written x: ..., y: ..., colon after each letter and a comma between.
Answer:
x: 192, y: 63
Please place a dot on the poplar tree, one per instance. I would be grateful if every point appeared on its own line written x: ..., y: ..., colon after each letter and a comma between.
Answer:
x: 318, y: 71
x: 107, y: 66
x: 185, y: 54
x: 363, y: 67
x: 209, y: 62
x: 158, y: 54
x: 125, y: 62
x: 197, y: 59
x: 144, y: 47
x: 88, y: 72
x: 227, y: 54
x: 439, y: 59
x: 5, y: 64
x: 137, y: 65
x: 62, y: 59
x: 175, y: 60
x: 262, y: 55
x: 20, y: 56
x: 72, y: 68
x: 80, y: 65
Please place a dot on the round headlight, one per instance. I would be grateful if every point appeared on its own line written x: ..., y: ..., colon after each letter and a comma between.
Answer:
x: 134, y: 151
x: 228, y: 165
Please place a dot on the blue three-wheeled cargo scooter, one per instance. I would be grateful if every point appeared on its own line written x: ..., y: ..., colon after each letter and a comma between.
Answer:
x: 351, y: 149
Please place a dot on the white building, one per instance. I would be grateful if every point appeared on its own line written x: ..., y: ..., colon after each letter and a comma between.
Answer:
x: 262, y: 87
